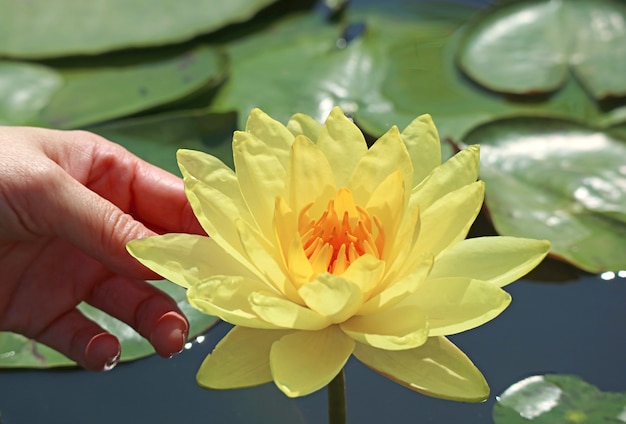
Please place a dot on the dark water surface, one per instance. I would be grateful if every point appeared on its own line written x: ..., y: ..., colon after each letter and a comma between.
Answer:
x: 576, y: 326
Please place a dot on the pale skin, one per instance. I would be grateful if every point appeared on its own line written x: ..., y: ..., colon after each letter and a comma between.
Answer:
x: 69, y: 203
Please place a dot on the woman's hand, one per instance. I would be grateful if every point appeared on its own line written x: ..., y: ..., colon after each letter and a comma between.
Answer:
x: 69, y: 202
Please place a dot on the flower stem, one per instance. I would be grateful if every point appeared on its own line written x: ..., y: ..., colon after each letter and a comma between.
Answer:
x: 337, y: 399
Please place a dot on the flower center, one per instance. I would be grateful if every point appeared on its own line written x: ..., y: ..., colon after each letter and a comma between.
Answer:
x: 343, y: 233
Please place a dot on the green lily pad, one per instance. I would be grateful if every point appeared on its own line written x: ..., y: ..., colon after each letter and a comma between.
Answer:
x: 530, y: 46
x: 558, y: 399
x: 25, y: 89
x: 41, y: 28
x: 17, y: 351
x: 156, y: 138
x: 309, y: 65
x: 386, y: 64
x: 421, y: 77
x: 315, y: 72
x: 418, y: 43
x: 114, y: 86
x: 295, y: 65
x: 557, y: 180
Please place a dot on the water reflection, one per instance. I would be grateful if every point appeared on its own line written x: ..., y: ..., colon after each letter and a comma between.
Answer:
x: 610, y: 275
x: 196, y: 341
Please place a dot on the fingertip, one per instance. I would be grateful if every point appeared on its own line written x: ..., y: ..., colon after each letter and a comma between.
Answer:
x: 169, y: 335
x: 102, y: 352
x: 81, y: 340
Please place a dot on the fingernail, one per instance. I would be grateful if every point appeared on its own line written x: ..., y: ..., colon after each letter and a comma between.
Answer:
x: 102, y: 352
x: 170, y: 334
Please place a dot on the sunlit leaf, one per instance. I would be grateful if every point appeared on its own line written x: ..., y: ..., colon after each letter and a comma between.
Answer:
x: 297, y: 65
x: 18, y: 351
x: 530, y: 46
x: 41, y: 28
x: 557, y: 180
x: 558, y: 399
x: 114, y: 86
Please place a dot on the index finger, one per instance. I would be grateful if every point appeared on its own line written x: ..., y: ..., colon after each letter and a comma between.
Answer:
x: 158, y: 199
x: 148, y: 193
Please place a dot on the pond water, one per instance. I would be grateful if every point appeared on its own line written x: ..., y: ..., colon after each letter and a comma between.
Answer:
x: 561, y: 321
x: 574, y: 325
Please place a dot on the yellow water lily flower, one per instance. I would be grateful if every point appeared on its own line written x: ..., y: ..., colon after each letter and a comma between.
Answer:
x: 320, y: 248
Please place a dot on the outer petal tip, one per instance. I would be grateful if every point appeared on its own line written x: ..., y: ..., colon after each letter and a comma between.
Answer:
x: 306, y: 361
x: 240, y: 359
x: 438, y: 369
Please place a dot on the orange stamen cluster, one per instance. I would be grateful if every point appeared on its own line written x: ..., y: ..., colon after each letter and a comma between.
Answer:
x: 343, y: 233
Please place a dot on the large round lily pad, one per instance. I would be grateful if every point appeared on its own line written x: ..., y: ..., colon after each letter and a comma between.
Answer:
x: 530, y: 46
x: 18, y: 351
x: 558, y: 399
x: 557, y: 180
x: 43, y: 28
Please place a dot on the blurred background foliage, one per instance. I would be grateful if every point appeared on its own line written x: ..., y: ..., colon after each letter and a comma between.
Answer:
x: 540, y: 84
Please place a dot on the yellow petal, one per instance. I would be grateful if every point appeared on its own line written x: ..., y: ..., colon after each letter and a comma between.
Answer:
x: 261, y: 178
x: 449, y: 219
x: 289, y: 244
x: 386, y: 156
x: 366, y: 272
x: 240, y: 359
x: 213, y: 192
x: 185, y: 259
x: 456, y: 172
x: 332, y: 296
x: 458, y: 304
x: 301, y: 124
x: 404, y: 242
x: 284, y: 313
x: 437, y: 368
x: 394, y: 329
x: 261, y: 254
x: 343, y: 144
x: 422, y: 143
x: 395, y: 291
x: 306, y: 361
x: 227, y: 297
x: 310, y: 177
x: 274, y: 134
x: 387, y: 203
x: 498, y: 260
